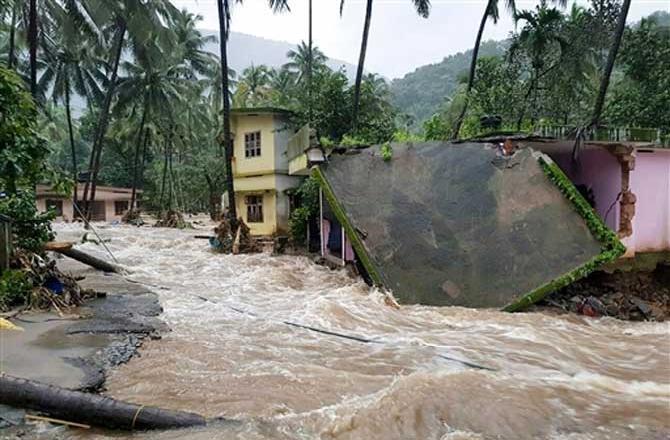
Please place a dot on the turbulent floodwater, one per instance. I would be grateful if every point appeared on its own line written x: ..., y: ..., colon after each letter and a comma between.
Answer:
x: 550, y: 377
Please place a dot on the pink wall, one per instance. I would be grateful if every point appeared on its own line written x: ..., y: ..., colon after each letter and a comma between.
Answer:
x: 650, y: 182
x: 600, y: 171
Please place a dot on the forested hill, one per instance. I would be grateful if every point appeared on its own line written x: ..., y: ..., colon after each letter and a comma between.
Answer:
x: 245, y: 50
x: 420, y: 93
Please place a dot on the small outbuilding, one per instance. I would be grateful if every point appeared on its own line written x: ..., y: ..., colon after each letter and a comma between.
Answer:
x: 110, y: 204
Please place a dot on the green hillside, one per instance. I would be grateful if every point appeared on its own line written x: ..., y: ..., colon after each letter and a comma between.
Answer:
x: 420, y: 93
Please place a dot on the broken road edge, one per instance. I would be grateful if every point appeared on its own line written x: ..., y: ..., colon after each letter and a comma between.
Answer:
x: 611, y: 246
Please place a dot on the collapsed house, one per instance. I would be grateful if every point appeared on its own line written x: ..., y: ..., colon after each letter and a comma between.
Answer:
x: 463, y: 224
x: 628, y: 185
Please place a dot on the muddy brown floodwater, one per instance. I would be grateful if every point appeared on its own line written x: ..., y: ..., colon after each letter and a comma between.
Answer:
x: 550, y: 377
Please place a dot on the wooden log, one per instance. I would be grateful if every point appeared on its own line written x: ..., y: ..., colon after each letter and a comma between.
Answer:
x: 57, y: 246
x: 90, y: 260
x: 90, y: 409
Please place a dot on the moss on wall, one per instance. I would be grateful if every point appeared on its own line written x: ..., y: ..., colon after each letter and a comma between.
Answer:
x: 341, y: 215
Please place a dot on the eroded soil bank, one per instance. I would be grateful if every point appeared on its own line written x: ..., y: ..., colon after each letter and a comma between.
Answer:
x: 231, y: 354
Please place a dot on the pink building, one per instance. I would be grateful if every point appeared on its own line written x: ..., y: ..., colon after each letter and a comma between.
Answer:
x: 628, y: 184
x: 110, y: 204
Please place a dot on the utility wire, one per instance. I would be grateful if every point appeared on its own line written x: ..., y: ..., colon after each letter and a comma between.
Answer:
x: 356, y: 338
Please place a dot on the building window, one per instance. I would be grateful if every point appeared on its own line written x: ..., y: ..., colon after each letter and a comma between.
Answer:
x: 120, y: 207
x: 252, y: 144
x: 56, y: 205
x: 254, y: 209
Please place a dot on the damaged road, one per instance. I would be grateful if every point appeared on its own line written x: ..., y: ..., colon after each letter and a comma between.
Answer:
x: 75, y: 351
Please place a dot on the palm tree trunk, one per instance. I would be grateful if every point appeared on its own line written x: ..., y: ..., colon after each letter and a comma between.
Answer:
x: 12, y: 39
x: 361, y: 64
x: 165, y: 169
x: 73, y: 148
x: 310, y: 65
x: 103, y: 121
x: 136, y: 159
x: 524, y: 104
x: 32, y: 43
x: 611, y: 58
x: 473, y: 69
x: 227, y: 139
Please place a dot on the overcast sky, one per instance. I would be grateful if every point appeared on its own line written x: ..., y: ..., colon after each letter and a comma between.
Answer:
x: 400, y: 41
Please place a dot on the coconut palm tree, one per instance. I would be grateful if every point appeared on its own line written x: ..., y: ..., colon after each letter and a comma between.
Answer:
x: 154, y: 83
x: 490, y: 12
x: 190, y: 44
x: 253, y: 87
x: 422, y: 8
x: 32, y: 45
x: 302, y: 63
x: 224, y: 9
x: 141, y: 22
x: 68, y: 66
x: 542, y: 32
x: 609, y: 66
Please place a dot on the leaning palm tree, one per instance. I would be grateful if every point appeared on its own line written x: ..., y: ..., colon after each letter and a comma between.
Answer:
x: 491, y: 12
x: 422, y: 8
x: 224, y: 9
x: 140, y: 22
x: 609, y: 66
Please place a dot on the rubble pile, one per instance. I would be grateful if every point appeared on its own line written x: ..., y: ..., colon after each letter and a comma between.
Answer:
x: 172, y: 219
x: 133, y: 217
x: 235, y: 239
x: 634, y: 295
x: 52, y: 289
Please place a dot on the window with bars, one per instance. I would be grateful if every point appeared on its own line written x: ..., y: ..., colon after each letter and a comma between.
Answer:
x: 254, y: 209
x: 252, y: 144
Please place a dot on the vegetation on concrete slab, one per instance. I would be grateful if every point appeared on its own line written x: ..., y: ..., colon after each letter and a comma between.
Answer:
x: 341, y: 215
x: 611, y: 247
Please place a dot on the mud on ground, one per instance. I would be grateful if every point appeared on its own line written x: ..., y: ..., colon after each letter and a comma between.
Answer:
x: 77, y: 350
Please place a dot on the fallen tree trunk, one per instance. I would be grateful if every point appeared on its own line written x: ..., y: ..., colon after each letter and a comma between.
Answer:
x: 90, y: 409
x: 90, y: 260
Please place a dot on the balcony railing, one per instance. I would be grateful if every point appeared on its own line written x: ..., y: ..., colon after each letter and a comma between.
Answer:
x: 611, y: 134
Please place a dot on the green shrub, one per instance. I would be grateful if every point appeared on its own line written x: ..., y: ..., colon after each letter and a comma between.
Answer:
x: 387, y: 152
x: 31, y: 229
x: 23, y: 153
x: 15, y: 288
x: 307, y: 196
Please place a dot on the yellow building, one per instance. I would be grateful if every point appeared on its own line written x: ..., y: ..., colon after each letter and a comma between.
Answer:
x: 260, y: 168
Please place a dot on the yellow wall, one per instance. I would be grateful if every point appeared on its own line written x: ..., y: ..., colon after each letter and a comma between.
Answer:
x: 269, y: 225
x: 265, y: 174
x: 265, y: 163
